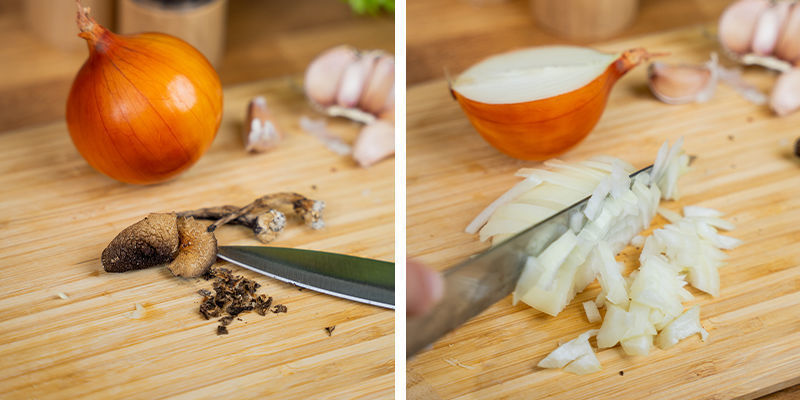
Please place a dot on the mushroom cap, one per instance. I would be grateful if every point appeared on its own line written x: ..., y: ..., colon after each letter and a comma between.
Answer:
x: 198, y: 249
x: 147, y: 243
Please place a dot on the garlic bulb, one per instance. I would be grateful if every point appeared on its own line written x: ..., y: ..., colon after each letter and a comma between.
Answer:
x: 762, y: 32
x: 345, y: 82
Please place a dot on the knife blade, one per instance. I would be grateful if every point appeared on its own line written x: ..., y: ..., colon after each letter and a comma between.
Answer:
x: 354, y: 278
x: 475, y: 284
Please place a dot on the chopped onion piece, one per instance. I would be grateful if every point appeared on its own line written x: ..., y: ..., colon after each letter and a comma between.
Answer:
x: 697, y: 211
x: 669, y: 215
x: 581, y: 170
x: 683, y: 326
x: 552, y: 296
x: 592, y: 313
x: 137, y: 313
x: 615, y: 325
x: 569, y: 351
x: 585, y: 364
x: 610, y: 276
x: 598, y: 195
x: 554, y: 255
x: 521, y: 187
x: 611, y: 160
x: 530, y: 275
x: 637, y: 346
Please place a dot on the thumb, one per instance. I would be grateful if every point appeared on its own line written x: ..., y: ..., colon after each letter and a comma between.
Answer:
x: 424, y: 288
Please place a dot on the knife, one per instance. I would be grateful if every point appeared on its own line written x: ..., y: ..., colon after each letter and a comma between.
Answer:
x: 353, y: 278
x: 475, y: 284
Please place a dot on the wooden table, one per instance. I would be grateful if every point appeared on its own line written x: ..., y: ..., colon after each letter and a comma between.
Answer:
x: 745, y: 168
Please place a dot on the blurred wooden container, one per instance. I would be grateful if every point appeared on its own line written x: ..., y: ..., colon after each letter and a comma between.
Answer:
x: 586, y: 20
x: 200, y: 23
x: 54, y: 20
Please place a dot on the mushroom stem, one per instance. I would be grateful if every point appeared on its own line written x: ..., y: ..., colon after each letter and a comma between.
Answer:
x: 265, y: 215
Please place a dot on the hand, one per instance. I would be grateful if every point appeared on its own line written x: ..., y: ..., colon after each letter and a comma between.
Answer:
x: 424, y: 288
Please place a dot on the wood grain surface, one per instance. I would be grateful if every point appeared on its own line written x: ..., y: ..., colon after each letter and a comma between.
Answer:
x: 264, y: 39
x: 745, y: 168
x: 57, y: 214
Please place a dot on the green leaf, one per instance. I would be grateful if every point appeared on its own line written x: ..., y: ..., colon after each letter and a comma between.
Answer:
x: 371, y: 7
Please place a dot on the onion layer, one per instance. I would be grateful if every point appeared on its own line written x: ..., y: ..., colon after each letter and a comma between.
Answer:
x: 143, y: 108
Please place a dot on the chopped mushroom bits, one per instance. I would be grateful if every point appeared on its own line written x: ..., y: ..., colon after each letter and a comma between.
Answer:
x: 233, y: 295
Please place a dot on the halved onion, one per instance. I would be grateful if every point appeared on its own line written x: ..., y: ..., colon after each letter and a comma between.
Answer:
x: 538, y: 102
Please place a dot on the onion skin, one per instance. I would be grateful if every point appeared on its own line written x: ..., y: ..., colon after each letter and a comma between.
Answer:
x: 542, y: 129
x: 143, y: 108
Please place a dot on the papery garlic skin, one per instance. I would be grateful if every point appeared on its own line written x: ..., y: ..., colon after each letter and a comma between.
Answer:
x: 261, y: 134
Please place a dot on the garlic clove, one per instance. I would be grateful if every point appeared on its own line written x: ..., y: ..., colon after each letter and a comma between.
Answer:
x: 388, y: 113
x: 785, y: 97
x: 389, y: 105
x: 738, y: 22
x: 788, y: 45
x: 379, y: 84
x: 324, y: 73
x: 354, y: 79
x: 260, y: 132
x: 374, y: 143
x: 768, y: 28
x: 681, y: 84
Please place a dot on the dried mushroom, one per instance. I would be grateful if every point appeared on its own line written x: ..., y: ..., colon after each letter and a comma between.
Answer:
x: 266, y: 215
x: 189, y: 246
x: 147, y: 243
x: 198, y: 249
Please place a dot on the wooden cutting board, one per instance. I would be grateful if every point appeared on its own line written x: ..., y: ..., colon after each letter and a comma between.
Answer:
x: 57, y: 214
x: 744, y: 168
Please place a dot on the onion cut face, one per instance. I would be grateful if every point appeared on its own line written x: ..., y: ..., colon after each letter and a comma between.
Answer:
x: 531, y: 74
x: 536, y: 103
